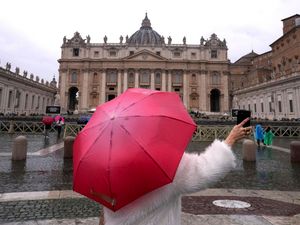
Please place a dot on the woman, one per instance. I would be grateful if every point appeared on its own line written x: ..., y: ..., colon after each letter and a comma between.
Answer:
x: 195, y: 172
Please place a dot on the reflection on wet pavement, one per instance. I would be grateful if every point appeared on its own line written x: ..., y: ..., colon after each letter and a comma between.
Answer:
x: 271, y: 171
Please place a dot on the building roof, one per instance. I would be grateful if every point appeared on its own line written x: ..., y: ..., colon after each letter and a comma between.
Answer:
x: 246, y: 59
x: 296, y: 15
x: 146, y: 35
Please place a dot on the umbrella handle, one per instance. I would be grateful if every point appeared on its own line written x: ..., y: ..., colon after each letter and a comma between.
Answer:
x: 104, y: 197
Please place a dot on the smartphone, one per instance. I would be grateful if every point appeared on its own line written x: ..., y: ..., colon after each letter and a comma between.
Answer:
x: 243, y: 114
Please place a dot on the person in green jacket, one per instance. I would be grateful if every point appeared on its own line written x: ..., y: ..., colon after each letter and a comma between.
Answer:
x: 268, y: 137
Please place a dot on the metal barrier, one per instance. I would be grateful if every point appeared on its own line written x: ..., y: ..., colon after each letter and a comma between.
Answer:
x: 202, y: 133
x: 23, y: 127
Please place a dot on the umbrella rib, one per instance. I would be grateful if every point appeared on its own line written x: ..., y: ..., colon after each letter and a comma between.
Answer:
x: 145, y: 151
x: 132, y: 104
x: 90, y: 148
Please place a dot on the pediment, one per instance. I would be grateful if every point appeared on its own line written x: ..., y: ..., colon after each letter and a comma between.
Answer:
x: 145, y: 55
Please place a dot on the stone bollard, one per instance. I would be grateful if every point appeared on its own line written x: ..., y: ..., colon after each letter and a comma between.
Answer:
x: 249, y: 150
x: 19, y: 151
x: 295, y: 151
x: 68, y: 147
x: 11, y: 129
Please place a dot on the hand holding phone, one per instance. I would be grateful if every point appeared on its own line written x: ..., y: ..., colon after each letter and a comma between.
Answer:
x: 243, y: 114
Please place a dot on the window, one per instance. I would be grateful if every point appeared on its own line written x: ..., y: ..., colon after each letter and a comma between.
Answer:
x: 112, y: 53
x: 157, y: 53
x: 262, y: 106
x: 131, y: 78
x: 279, y: 103
x: 75, y: 51
x: 26, y: 101
x: 254, y: 107
x: 291, y: 105
x: 43, y: 105
x: 215, y: 78
x: 95, y: 78
x: 157, y: 78
x: 290, y: 97
x: 279, y: 106
x: 74, y: 77
x: 32, y: 101
x: 9, y: 99
x: 193, y: 55
x: 270, y: 106
x: 111, y: 77
x: 131, y: 52
x: 96, y: 54
x: 176, y: 54
x: 38, y: 103
x: 145, y: 78
x: 177, y: 78
x: 214, y: 54
x: 193, y: 78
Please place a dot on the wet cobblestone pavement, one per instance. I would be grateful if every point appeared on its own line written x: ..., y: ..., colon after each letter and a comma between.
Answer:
x: 272, y: 171
x: 48, y: 209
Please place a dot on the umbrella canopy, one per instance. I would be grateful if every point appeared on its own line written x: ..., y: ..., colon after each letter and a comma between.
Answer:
x: 57, y: 117
x: 132, y: 145
x: 47, y: 120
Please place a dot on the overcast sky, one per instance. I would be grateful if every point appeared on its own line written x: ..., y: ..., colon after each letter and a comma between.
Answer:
x: 32, y: 31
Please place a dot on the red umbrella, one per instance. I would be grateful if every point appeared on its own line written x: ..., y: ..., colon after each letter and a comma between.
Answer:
x: 47, y: 120
x: 131, y: 146
x: 57, y: 117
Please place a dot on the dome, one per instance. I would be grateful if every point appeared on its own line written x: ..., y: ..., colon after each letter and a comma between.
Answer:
x: 145, y: 35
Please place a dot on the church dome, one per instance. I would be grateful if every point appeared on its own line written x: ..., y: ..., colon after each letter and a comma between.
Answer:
x: 145, y: 35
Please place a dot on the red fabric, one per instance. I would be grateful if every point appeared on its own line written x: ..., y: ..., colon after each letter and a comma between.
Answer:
x: 47, y: 120
x: 131, y: 146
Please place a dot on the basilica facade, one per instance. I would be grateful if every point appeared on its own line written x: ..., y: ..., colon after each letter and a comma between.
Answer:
x: 93, y: 73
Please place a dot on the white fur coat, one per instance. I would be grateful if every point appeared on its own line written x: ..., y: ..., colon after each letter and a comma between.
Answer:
x: 163, y: 206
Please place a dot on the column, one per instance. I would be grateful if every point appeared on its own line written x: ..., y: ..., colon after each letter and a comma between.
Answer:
x: 125, y: 81
x: 103, y: 86
x: 202, y: 92
x: 4, y: 99
x: 225, y: 105
x: 136, y: 80
x: 163, y: 81
x: 152, y: 85
x: 185, y: 90
x: 83, y: 105
x: 63, y: 92
x: 169, y: 82
x: 119, y: 82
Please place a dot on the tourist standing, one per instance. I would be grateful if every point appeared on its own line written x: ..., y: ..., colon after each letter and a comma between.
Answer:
x: 259, y: 134
x: 268, y: 136
x: 59, y: 125
x: 47, y: 121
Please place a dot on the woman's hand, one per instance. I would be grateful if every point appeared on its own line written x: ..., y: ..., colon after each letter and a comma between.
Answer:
x: 238, y: 132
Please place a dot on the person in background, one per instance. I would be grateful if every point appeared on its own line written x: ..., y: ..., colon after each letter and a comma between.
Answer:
x: 47, y: 121
x: 59, y: 125
x: 268, y: 136
x: 259, y: 134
